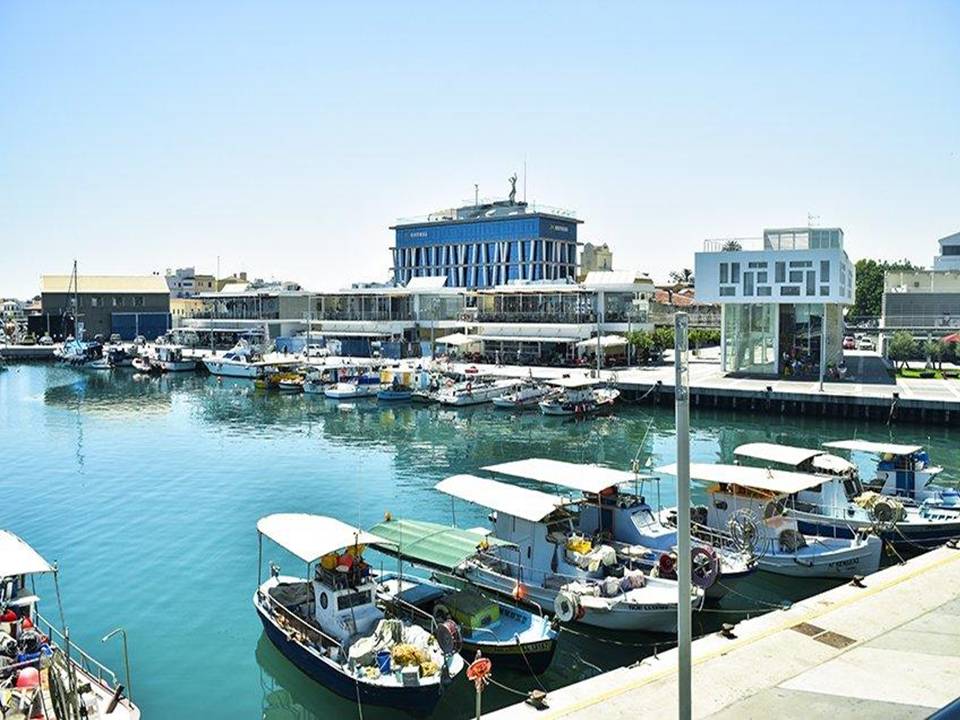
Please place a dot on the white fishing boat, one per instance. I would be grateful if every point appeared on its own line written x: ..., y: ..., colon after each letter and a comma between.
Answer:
x: 41, y: 674
x: 475, y: 391
x: 169, y: 358
x: 329, y: 626
x: 842, y: 506
x: 904, y: 471
x: 610, y: 509
x: 524, y: 397
x: 545, y: 563
x: 240, y: 362
x: 751, y: 506
x: 364, y: 386
x: 577, y: 397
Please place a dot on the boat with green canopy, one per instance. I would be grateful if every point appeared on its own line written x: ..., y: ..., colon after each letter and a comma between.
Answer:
x: 511, y: 636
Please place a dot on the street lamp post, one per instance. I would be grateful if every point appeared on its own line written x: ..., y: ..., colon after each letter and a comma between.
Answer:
x: 682, y: 402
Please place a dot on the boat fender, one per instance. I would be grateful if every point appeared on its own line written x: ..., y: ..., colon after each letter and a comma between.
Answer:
x: 566, y: 606
x: 449, y: 637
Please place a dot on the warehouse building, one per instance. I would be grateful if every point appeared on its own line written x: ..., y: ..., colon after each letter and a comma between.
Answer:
x: 128, y: 305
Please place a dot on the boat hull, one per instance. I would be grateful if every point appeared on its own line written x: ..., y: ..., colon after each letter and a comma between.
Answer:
x: 905, y: 537
x: 841, y: 563
x: 177, y: 366
x: 394, y: 395
x: 416, y: 700
x: 227, y: 369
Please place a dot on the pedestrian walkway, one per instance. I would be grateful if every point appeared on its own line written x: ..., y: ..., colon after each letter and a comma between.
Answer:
x: 890, y: 649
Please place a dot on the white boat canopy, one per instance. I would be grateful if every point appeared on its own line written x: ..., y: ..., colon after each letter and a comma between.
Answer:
x: 874, y: 447
x: 783, y: 454
x: 520, y: 502
x: 605, y: 341
x: 310, y: 537
x: 781, y: 482
x: 573, y: 382
x: 18, y: 558
x: 585, y: 478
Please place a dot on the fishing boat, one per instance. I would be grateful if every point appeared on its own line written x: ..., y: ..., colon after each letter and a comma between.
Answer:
x: 290, y: 382
x: 545, y: 563
x: 754, y: 507
x: 475, y: 391
x: 842, y: 506
x: 240, y: 362
x: 508, y: 633
x: 118, y: 355
x: 399, y: 383
x: 611, y: 512
x: 83, y: 355
x: 578, y: 397
x: 330, y: 627
x: 169, y: 358
x: 42, y: 675
x: 363, y: 386
x: 526, y: 396
x: 903, y: 471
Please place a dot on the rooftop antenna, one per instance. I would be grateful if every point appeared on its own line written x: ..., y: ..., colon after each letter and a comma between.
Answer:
x: 476, y: 195
x: 524, y: 178
x: 812, y: 220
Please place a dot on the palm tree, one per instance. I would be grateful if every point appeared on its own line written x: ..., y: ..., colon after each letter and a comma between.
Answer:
x: 682, y: 277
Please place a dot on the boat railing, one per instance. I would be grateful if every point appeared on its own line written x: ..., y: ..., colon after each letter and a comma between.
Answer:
x: 90, y: 666
x: 301, y: 625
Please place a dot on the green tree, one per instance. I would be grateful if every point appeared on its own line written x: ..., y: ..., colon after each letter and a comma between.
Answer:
x: 682, y: 277
x: 902, y: 347
x: 732, y: 246
x: 935, y: 351
x: 642, y: 343
x: 662, y: 339
x: 868, y: 298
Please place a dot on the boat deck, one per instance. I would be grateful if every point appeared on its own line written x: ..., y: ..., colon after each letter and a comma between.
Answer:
x: 890, y: 650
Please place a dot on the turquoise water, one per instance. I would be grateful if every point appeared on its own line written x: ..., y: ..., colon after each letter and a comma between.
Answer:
x: 147, y: 493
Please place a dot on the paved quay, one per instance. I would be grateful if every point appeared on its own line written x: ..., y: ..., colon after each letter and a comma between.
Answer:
x: 890, y: 649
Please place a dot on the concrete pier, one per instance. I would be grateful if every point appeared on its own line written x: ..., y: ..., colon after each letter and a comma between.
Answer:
x: 890, y: 649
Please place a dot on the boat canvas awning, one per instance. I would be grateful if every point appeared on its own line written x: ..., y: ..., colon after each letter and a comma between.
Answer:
x: 430, y: 544
x: 573, y: 382
x: 783, y: 454
x: 356, y: 333
x: 310, y: 537
x: 874, y: 447
x: 457, y: 339
x: 520, y: 502
x: 781, y: 482
x: 605, y: 341
x: 585, y: 478
x: 18, y: 558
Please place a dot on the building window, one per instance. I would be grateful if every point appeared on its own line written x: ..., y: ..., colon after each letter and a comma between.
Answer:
x: 728, y: 291
x: 118, y: 301
x: 757, y: 265
x: 796, y: 276
x: 790, y: 290
x: 138, y: 301
x: 801, y: 263
x: 724, y: 273
x: 824, y: 289
x: 824, y: 271
x: 763, y: 290
x: 761, y: 277
x: 735, y: 273
x: 780, y: 272
x: 811, y: 282
x: 748, y: 284
x: 94, y: 301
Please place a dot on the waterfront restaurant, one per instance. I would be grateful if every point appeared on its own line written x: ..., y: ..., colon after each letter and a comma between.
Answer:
x: 781, y: 303
x: 529, y: 321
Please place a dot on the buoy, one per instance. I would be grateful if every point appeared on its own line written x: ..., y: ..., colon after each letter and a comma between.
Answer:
x: 28, y: 678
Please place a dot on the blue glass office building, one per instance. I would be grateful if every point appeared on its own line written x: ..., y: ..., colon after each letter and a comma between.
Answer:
x: 485, y: 245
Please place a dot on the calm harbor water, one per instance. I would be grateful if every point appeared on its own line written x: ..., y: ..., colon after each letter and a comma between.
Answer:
x: 147, y: 492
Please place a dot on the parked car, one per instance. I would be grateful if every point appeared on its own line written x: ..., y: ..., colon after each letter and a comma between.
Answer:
x: 29, y: 339
x: 866, y: 343
x: 115, y: 339
x: 46, y: 340
x: 849, y: 343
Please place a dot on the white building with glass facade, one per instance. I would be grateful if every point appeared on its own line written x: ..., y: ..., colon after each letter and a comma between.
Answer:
x: 782, y: 303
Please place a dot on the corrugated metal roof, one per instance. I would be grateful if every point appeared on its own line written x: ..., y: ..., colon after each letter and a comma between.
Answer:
x: 105, y: 284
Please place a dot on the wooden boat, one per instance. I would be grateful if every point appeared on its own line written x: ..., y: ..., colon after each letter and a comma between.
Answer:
x: 41, y: 675
x: 330, y: 627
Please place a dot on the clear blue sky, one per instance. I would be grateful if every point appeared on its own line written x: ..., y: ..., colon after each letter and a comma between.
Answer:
x: 285, y: 137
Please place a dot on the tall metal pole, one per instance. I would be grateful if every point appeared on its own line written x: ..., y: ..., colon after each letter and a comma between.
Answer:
x: 682, y: 400
x: 823, y: 345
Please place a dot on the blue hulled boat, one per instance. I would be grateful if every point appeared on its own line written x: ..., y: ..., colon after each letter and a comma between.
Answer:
x: 330, y: 627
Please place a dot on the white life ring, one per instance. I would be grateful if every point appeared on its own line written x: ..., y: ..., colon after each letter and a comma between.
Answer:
x: 566, y: 606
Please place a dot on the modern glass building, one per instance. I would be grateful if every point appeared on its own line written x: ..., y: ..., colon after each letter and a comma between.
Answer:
x: 488, y: 244
x: 782, y: 306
